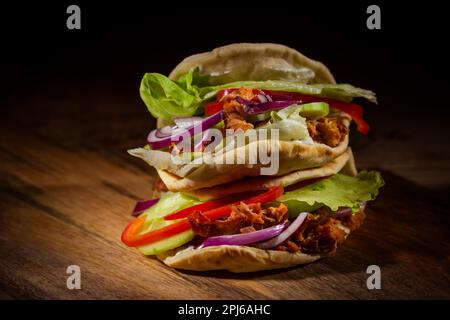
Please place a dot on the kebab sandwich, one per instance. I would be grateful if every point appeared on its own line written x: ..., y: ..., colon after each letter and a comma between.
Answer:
x: 253, y: 158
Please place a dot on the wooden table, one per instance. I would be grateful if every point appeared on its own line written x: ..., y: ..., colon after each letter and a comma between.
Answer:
x: 68, y: 186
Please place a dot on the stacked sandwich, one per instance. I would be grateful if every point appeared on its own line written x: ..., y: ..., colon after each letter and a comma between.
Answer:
x: 255, y: 171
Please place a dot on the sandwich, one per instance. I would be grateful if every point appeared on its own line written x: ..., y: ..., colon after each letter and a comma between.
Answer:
x: 255, y: 171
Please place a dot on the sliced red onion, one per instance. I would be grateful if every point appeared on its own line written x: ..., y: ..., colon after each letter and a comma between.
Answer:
x: 269, y: 106
x: 164, y: 131
x: 244, y: 238
x: 245, y: 102
x: 344, y: 213
x: 252, y: 107
x: 186, y: 122
x: 206, y: 136
x: 199, y: 126
x: 272, y: 243
x: 347, y: 212
x: 141, y: 206
x: 263, y: 98
x: 280, y: 96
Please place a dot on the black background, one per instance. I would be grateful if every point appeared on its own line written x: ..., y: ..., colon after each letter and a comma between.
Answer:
x: 119, y: 41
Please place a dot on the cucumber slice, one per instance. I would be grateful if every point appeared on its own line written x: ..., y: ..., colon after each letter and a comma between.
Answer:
x: 168, y: 203
x: 314, y: 110
x: 167, y: 244
x: 259, y: 117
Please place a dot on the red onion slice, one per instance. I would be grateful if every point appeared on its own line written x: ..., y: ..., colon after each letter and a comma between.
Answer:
x: 199, y: 126
x: 272, y: 243
x: 164, y: 132
x: 186, y: 122
x: 245, y: 102
x: 269, y: 106
x: 264, y: 98
x: 244, y: 238
x: 347, y: 212
x: 252, y: 107
x: 141, y: 206
x: 206, y: 137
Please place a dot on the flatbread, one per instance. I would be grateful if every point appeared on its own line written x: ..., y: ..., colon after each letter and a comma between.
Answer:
x: 255, y: 61
x: 343, y: 163
x: 235, y: 259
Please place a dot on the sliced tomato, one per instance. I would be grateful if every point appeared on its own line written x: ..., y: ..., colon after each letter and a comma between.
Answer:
x: 132, y: 238
x: 213, y: 107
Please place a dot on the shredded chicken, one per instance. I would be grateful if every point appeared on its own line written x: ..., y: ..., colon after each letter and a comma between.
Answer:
x: 235, y: 117
x: 243, y: 218
x: 327, y: 130
x: 321, y: 233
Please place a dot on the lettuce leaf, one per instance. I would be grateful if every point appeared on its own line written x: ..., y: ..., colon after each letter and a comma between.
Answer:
x: 289, y: 122
x: 167, y: 99
x: 343, y: 92
x: 335, y: 192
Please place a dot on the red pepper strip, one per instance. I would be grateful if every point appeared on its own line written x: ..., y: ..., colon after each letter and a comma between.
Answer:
x: 213, y: 108
x: 203, y: 207
x: 131, y: 237
x: 271, y: 195
x: 354, y: 110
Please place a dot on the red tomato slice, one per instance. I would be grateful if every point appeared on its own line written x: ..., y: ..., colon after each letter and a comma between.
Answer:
x: 213, y: 107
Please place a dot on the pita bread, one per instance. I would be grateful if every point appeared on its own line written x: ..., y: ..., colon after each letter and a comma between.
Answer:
x: 237, y: 258
x: 293, y: 156
x: 234, y: 258
x: 339, y: 164
x: 255, y: 61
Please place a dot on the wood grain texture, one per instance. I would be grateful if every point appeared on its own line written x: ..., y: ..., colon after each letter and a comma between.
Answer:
x: 67, y: 188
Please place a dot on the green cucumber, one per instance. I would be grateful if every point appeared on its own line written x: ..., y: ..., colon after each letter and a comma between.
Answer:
x: 314, y: 110
x: 167, y: 244
x: 169, y: 203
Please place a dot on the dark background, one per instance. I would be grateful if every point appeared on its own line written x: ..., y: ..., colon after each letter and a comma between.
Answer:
x: 83, y: 80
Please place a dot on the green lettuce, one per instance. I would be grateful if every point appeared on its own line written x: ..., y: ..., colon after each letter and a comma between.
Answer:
x: 167, y: 99
x: 343, y: 92
x: 335, y: 192
x: 290, y: 124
